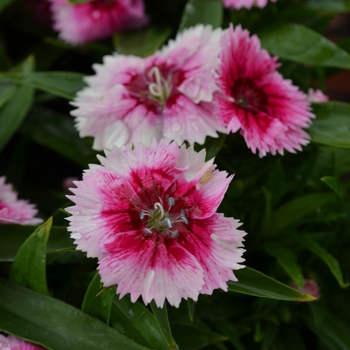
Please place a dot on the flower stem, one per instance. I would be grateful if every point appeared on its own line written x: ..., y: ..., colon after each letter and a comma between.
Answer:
x: 161, y: 315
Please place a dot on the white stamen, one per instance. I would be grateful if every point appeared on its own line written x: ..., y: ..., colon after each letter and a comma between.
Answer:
x: 147, y: 231
x: 174, y: 234
x: 171, y: 201
x: 160, y: 207
x: 160, y: 88
x: 167, y: 223
x: 142, y: 215
x: 183, y: 217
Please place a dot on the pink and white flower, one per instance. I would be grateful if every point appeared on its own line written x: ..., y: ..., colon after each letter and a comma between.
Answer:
x: 316, y: 96
x: 237, y: 4
x: 169, y: 94
x: 269, y: 111
x: 14, y: 210
x: 96, y: 19
x: 12, y: 343
x: 149, y: 216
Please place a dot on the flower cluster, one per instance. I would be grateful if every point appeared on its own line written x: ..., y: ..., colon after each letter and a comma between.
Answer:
x: 12, y: 343
x: 237, y: 4
x: 149, y: 216
x: 14, y: 210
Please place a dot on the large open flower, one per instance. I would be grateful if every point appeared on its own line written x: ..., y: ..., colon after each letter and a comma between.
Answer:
x: 14, y: 210
x: 269, y: 111
x: 237, y: 4
x: 96, y: 19
x: 149, y: 216
x: 168, y: 94
x: 12, y: 343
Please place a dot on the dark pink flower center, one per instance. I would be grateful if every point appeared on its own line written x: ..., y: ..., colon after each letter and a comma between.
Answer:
x: 247, y: 95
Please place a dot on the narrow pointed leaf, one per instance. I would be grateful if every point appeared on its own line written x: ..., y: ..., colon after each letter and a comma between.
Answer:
x: 13, y: 236
x: 332, y: 126
x: 7, y: 90
x: 55, y: 324
x: 300, y: 44
x: 141, y: 42
x: 98, y: 302
x: 288, y: 261
x: 161, y: 315
x: 295, y: 210
x: 255, y: 283
x: 15, y: 110
x: 29, y: 266
x: 62, y: 84
x: 202, y: 11
x: 334, y: 184
x: 136, y: 322
x: 322, y: 253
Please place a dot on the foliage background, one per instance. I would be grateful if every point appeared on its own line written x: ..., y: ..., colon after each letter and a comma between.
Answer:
x: 295, y: 207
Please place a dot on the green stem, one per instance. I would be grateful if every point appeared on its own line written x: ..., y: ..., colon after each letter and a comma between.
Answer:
x: 161, y: 315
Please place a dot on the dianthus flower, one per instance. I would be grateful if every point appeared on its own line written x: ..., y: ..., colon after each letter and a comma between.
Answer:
x: 168, y: 94
x: 316, y: 96
x: 237, y: 4
x: 96, y: 19
x: 269, y: 111
x: 149, y: 216
x: 13, y: 210
x: 12, y: 343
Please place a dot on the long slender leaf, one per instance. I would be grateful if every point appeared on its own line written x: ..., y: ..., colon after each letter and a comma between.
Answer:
x: 334, y: 184
x: 57, y: 132
x: 29, y: 266
x: 15, y: 110
x: 161, y: 315
x: 332, y: 126
x: 202, y: 11
x: 135, y: 321
x: 322, y: 253
x: 7, y: 90
x: 97, y: 301
x: 297, y: 43
x: 13, y: 236
x: 255, y: 283
x: 288, y: 260
x: 142, y: 42
x: 55, y: 324
x: 295, y: 210
x: 63, y: 84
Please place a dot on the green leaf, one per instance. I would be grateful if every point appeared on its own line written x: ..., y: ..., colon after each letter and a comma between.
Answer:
x: 329, y: 5
x: 191, y: 336
x: 322, y: 253
x: 228, y: 329
x: 297, y: 43
x: 55, y: 324
x: 276, y: 182
x: 63, y: 84
x: 202, y: 11
x: 57, y: 132
x: 332, y: 126
x: 288, y: 261
x: 141, y: 42
x: 6, y: 92
x: 161, y: 315
x: 13, y: 236
x: 255, y: 283
x: 295, y: 210
x: 334, y: 184
x: 98, y: 300
x: 15, y: 110
x: 191, y: 306
x: 5, y: 3
x: 135, y: 321
x: 29, y: 266
x: 212, y: 145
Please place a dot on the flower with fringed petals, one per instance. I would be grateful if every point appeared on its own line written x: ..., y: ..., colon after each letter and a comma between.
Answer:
x: 248, y: 4
x: 316, y: 96
x: 12, y: 343
x: 269, y: 111
x: 14, y: 210
x: 97, y: 19
x: 168, y: 94
x: 149, y: 216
